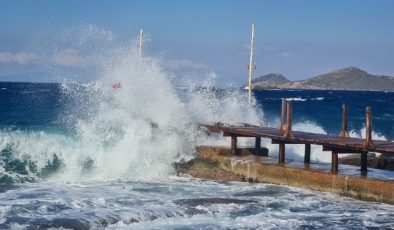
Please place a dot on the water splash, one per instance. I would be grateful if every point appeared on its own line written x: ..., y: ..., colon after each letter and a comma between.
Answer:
x: 135, y: 131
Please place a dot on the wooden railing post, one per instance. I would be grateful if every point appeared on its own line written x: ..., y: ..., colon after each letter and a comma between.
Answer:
x: 368, y: 128
x: 344, y: 133
x: 283, y: 115
x: 368, y: 139
x: 288, y: 120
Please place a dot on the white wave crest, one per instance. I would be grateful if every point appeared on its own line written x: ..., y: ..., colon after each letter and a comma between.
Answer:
x: 296, y: 99
x: 318, y: 99
x: 135, y: 131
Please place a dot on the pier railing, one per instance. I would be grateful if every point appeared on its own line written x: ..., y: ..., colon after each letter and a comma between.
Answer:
x: 285, y: 135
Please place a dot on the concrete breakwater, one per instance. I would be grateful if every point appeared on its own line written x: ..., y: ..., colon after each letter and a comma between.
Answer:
x: 219, y: 163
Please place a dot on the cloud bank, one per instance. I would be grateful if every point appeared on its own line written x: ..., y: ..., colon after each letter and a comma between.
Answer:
x: 20, y: 58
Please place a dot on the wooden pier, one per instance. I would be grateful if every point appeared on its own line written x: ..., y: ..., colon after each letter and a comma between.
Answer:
x: 284, y: 135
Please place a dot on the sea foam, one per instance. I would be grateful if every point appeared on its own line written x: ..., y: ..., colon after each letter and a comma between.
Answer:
x: 135, y: 131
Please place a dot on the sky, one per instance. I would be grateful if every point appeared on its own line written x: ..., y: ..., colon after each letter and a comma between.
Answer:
x: 299, y: 38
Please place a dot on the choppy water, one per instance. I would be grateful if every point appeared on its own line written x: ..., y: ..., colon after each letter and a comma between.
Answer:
x: 90, y: 156
x: 182, y: 203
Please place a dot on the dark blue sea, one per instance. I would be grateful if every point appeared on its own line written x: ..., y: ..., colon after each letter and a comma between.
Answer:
x: 94, y: 157
x: 324, y: 108
x: 30, y: 106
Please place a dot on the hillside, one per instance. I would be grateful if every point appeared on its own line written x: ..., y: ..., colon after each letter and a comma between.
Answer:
x: 269, y: 81
x: 350, y: 78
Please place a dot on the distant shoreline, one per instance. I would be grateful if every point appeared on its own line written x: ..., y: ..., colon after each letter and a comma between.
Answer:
x: 224, y: 88
x: 348, y: 79
x: 306, y: 89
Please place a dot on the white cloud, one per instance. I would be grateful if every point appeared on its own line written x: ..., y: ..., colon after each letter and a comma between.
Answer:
x: 285, y: 54
x: 69, y: 58
x: 73, y: 58
x: 178, y: 64
x: 20, y: 58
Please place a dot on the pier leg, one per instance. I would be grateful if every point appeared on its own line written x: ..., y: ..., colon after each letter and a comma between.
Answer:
x: 234, y: 145
x: 258, y: 146
x: 364, y: 162
x: 307, y: 156
x: 281, y: 153
x: 334, y: 162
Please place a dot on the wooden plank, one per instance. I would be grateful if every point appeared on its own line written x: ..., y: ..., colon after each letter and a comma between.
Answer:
x: 342, y: 150
x: 333, y: 142
x: 275, y: 141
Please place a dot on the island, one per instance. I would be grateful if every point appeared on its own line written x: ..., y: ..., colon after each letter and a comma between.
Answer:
x: 350, y: 78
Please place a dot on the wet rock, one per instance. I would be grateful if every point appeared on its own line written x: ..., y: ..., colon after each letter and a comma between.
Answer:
x: 200, y: 168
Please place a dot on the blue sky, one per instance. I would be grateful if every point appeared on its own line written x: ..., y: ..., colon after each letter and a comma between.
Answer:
x: 299, y: 38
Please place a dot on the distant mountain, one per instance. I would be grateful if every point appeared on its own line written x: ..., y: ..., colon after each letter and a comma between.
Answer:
x: 350, y: 78
x: 269, y: 81
x: 271, y: 78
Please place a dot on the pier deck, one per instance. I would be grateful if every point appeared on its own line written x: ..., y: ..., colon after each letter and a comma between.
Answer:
x: 284, y: 135
x: 328, y: 141
x: 335, y: 144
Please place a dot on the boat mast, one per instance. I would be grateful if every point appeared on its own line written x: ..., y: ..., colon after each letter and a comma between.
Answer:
x: 140, y: 47
x: 251, y: 66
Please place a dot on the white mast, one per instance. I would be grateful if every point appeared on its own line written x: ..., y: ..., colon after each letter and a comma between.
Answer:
x: 140, y: 47
x: 251, y: 66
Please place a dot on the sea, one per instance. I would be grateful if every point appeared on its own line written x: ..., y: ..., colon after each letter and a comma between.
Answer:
x: 100, y: 155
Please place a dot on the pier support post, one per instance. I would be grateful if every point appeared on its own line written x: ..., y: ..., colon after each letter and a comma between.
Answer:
x: 258, y: 146
x: 364, y: 162
x: 307, y: 156
x: 283, y: 115
x: 334, y: 162
x: 344, y: 133
x: 368, y: 128
x: 282, y: 153
x: 234, y: 145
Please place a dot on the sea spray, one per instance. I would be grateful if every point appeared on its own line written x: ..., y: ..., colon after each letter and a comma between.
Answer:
x: 135, y: 131
x: 144, y: 125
